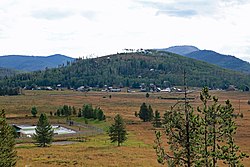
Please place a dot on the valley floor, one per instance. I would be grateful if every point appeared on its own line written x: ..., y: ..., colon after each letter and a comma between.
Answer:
x: 97, y: 150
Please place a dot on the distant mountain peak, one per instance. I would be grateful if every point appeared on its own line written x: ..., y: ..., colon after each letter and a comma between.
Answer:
x: 57, y: 55
x: 181, y: 50
x: 184, y: 47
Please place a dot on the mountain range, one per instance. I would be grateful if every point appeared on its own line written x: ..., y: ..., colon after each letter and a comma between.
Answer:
x: 212, y: 57
x: 33, y: 63
x: 160, y: 68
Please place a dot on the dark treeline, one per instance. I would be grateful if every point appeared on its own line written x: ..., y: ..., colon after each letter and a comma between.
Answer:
x: 131, y: 69
x: 87, y: 111
x: 66, y: 110
x: 9, y: 91
x: 91, y: 113
x: 5, y: 73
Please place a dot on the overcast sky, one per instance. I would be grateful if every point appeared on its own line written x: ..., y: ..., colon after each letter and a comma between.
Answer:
x: 80, y: 28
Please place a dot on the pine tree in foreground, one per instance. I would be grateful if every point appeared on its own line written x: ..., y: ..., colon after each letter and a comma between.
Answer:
x: 117, y: 131
x: 44, y: 132
x: 210, y: 135
x: 175, y: 131
x: 8, y: 155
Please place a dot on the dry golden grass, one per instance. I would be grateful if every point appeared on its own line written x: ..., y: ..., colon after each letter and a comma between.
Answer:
x: 96, y: 152
x: 138, y: 151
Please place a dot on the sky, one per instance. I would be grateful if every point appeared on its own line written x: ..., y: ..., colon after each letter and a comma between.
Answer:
x: 91, y: 28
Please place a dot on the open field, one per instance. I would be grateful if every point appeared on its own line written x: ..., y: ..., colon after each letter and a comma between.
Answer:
x: 97, y: 150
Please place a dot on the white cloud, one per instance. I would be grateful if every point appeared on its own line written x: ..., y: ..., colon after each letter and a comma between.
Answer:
x: 80, y: 27
x: 52, y: 14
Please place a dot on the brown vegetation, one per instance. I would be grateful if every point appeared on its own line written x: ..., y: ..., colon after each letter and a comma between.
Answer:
x: 97, y: 150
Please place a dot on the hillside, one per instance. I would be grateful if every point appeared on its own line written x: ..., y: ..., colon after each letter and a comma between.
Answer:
x: 225, y: 61
x: 180, y: 50
x: 33, y: 63
x: 6, y: 72
x: 131, y: 69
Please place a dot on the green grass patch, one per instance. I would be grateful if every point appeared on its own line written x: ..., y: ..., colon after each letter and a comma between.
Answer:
x: 100, y: 124
x: 104, y: 141
x: 133, y: 142
x: 26, y: 146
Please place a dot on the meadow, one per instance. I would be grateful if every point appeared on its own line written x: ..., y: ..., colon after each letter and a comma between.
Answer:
x: 97, y: 150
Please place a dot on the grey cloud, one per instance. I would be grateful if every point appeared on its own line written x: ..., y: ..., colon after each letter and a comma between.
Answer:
x: 55, y: 14
x: 177, y: 13
x: 182, y: 8
x: 52, y: 14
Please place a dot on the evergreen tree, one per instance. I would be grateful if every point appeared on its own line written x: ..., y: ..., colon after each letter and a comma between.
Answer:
x: 117, y: 131
x: 95, y: 112
x: 210, y: 133
x: 44, y: 132
x: 143, y: 112
x: 208, y: 139
x: 74, y: 110
x: 34, y: 111
x: 146, y: 113
x: 66, y: 110
x: 58, y: 112
x: 99, y: 114
x: 62, y: 111
x: 8, y: 155
x: 175, y: 130
x: 87, y: 111
x: 157, y: 119
x: 69, y: 111
x: 150, y: 113
x: 79, y: 112
x: 218, y: 127
x: 230, y: 152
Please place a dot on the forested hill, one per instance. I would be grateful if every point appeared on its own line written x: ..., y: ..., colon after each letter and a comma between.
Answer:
x: 131, y: 69
x: 6, y: 72
x: 33, y: 63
